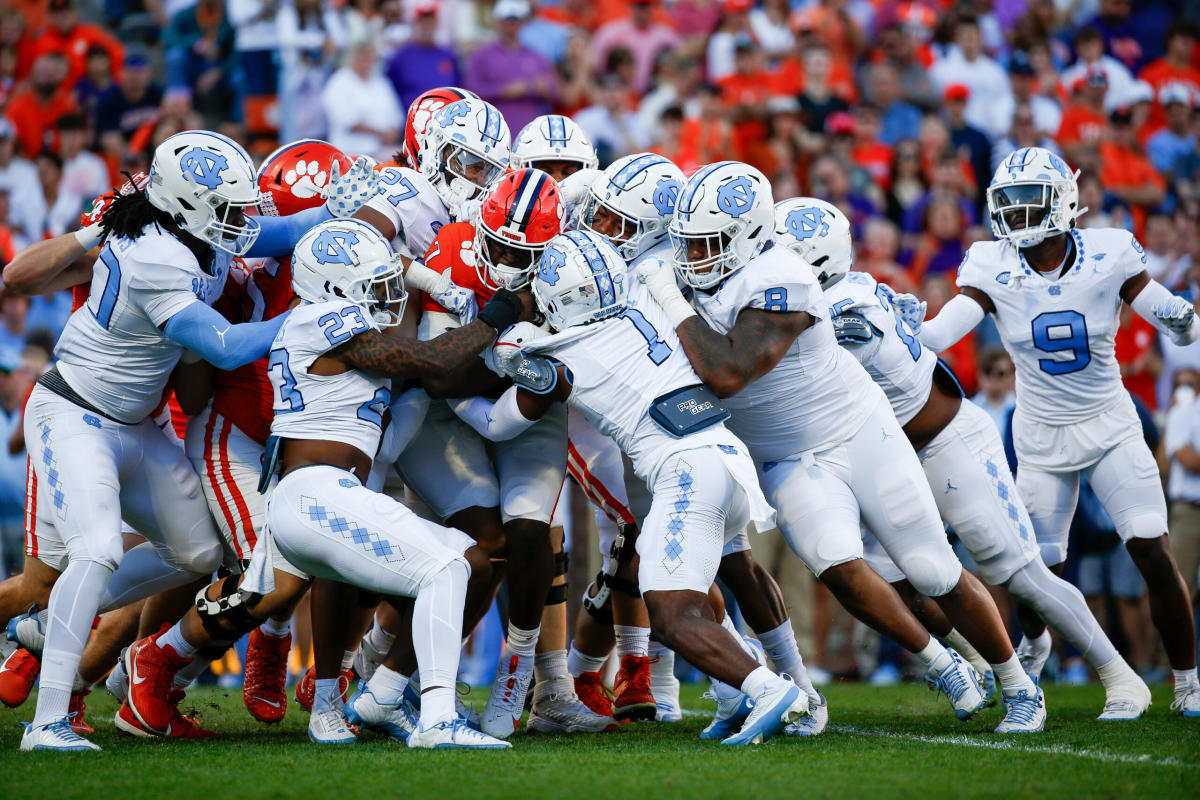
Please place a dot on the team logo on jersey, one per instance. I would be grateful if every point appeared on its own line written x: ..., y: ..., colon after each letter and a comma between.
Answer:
x: 1004, y: 277
x: 1055, y: 290
x: 665, y: 195
x: 736, y: 197
x: 552, y: 261
x: 203, y: 167
x: 331, y: 247
x: 805, y: 223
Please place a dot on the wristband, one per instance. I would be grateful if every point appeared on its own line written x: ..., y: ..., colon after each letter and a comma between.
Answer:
x: 677, y: 309
x: 502, y: 310
x: 89, y: 237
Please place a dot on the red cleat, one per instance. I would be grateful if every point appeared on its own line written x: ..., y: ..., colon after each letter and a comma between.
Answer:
x: 264, y: 690
x: 594, y: 694
x: 180, y: 727
x: 151, y: 680
x: 633, y: 699
x: 306, y: 689
x: 75, y: 714
x: 18, y: 674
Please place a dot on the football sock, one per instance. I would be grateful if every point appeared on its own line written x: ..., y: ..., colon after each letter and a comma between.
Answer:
x: 727, y: 624
x: 960, y: 644
x: 276, y: 629
x: 348, y: 659
x: 579, y: 663
x: 632, y: 640
x: 547, y: 666
x: 1011, y: 677
x: 380, y: 640
x: 190, y: 672
x: 522, y: 642
x: 437, y: 632
x: 780, y: 644
x: 1184, y: 678
x: 323, y: 694
x: 387, y: 686
x: 174, y: 638
x: 933, y: 655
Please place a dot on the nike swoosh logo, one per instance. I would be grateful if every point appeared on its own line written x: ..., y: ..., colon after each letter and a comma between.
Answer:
x: 264, y: 700
x: 134, y: 677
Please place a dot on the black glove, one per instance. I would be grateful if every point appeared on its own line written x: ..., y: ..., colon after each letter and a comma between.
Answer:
x: 502, y: 310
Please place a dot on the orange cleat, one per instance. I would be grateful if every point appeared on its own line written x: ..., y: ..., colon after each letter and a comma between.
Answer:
x: 264, y: 690
x: 75, y: 714
x: 633, y: 701
x: 594, y: 694
x: 151, y: 681
x: 180, y: 726
x: 18, y: 674
x: 306, y: 689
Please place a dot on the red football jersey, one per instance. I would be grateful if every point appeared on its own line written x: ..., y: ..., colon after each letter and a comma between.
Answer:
x: 251, y: 295
x: 454, y: 249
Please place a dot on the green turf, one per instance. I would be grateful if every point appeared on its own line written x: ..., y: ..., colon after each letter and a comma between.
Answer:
x: 883, y: 742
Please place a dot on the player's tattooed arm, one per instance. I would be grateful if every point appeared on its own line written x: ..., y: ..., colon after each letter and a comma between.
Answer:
x: 411, y: 358
x: 474, y: 378
x: 729, y: 363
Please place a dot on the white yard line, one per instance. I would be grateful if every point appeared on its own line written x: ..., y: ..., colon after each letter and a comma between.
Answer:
x: 1015, y: 746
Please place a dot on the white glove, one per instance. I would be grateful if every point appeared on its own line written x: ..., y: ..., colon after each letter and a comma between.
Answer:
x: 1176, y: 314
x: 90, y: 236
x: 910, y: 310
x: 507, y: 350
x: 467, y: 211
x: 573, y: 188
x: 345, y: 194
x: 659, y: 278
x: 445, y: 292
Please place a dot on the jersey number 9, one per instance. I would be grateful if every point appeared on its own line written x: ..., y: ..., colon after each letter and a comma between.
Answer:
x: 1048, y: 336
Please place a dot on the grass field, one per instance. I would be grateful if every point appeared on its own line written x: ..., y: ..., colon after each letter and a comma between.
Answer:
x: 883, y: 742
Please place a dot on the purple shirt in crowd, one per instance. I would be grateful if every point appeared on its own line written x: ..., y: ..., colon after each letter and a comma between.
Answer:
x: 494, y: 66
x: 416, y: 68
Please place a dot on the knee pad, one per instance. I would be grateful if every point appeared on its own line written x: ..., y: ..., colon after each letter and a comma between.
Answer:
x: 203, y: 559
x: 932, y: 575
x: 108, y: 554
x: 227, y: 619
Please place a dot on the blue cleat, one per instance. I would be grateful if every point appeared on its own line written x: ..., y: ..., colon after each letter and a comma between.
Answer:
x: 775, y: 708
x: 731, y: 713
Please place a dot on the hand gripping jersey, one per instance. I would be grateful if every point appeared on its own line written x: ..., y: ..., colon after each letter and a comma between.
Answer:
x: 252, y: 294
x: 347, y: 407
x: 894, y: 358
x: 1060, y: 333
x: 452, y: 249
x: 817, y: 395
x: 113, y: 351
x: 408, y: 199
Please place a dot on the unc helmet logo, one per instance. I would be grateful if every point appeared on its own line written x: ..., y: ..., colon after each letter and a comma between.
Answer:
x: 665, y: 195
x: 552, y: 261
x: 1059, y: 166
x: 203, y: 167
x: 736, y: 197
x: 331, y: 247
x: 805, y: 223
x: 455, y: 110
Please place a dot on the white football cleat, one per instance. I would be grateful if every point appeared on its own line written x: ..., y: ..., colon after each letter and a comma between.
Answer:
x: 1127, y: 701
x: 1187, y: 701
x: 557, y: 709
x: 1022, y: 713
x: 732, y: 710
x: 364, y: 711
x: 665, y: 688
x: 117, y: 682
x: 367, y: 659
x: 28, y: 630
x: 454, y: 733
x: 815, y: 723
x: 956, y: 679
x: 1033, y: 653
x: 774, y: 708
x: 506, y: 703
x: 57, y: 735
x: 329, y: 727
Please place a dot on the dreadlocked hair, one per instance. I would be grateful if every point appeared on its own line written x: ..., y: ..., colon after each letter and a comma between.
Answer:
x: 128, y: 214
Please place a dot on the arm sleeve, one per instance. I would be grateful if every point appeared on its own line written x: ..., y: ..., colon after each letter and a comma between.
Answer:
x: 206, y: 333
x: 497, y: 421
x: 957, y: 318
x: 278, y: 235
x: 1143, y: 305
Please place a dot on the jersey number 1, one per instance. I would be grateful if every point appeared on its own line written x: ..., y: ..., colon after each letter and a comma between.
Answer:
x: 1075, y: 341
x: 659, y: 351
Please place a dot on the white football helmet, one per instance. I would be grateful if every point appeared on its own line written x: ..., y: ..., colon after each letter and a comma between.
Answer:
x: 552, y: 137
x: 1033, y: 195
x: 631, y: 203
x: 465, y: 148
x: 819, y: 233
x: 206, y: 182
x: 580, y: 279
x: 345, y: 259
x: 724, y: 217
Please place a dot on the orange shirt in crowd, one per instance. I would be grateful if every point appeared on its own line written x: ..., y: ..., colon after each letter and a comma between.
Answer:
x: 876, y: 158
x: 1080, y: 124
x: 75, y: 45
x: 1135, y: 338
x: 33, y: 119
x: 788, y: 79
x: 830, y: 27
x: 1125, y: 167
x: 1158, y: 74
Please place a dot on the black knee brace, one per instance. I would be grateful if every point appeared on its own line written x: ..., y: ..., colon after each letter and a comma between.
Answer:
x: 226, y: 619
x: 558, y: 594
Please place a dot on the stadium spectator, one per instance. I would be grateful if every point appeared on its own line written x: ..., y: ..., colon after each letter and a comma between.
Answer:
x: 939, y: 248
x: 96, y: 80
x: 1138, y: 356
x: 965, y: 63
x: 1172, y: 149
x: 46, y: 98
x: 311, y: 35
x: 360, y: 106
x: 612, y: 126
x: 898, y: 48
x: 256, y: 43
x: 506, y: 73
x: 199, y: 57
x: 735, y: 27
x: 829, y: 179
x: 818, y: 98
x: 680, y: 79
x: 1181, y: 444
x: 968, y: 140
x: 1024, y: 133
x: 877, y: 253
x: 26, y: 208
x: 908, y: 180
x: 642, y: 35
x: 1177, y: 65
x: 1126, y: 172
x: 772, y: 28
x: 936, y: 291
x: 829, y: 22
x: 65, y: 35
x: 997, y: 386
x: 899, y: 119
x: 62, y: 205
x: 421, y: 64
x: 1047, y: 113
x: 1118, y: 34
x: 128, y: 105
x: 84, y: 174
x: 1083, y: 120
x: 1091, y: 58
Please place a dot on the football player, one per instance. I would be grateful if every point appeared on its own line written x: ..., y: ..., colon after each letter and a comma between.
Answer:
x: 1055, y: 292
x: 554, y: 144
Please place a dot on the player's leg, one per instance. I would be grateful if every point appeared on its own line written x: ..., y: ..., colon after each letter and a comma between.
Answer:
x: 1126, y: 482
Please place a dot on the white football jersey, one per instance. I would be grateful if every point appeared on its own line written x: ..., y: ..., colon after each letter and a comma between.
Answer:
x: 1060, y: 332
x: 408, y: 199
x: 818, y: 394
x: 113, y: 351
x: 895, y: 358
x: 347, y: 407
x: 619, y: 367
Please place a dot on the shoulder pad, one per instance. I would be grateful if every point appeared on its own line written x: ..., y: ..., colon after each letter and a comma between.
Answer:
x: 536, y: 374
x: 852, y: 328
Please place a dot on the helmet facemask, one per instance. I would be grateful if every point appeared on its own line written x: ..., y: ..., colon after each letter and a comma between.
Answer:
x: 229, y: 228
x: 465, y: 175
x: 505, y: 262
x: 1026, y: 213
x: 386, y: 296
x: 704, y: 259
x: 629, y: 235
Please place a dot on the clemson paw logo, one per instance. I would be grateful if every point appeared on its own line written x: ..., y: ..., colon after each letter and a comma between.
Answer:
x: 424, y: 113
x: 467, y: 253
x: 306, y: 180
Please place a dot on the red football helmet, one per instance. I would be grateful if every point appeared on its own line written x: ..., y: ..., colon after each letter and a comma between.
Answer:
x: 419, y: 114
x: 295, y: 176
x: 521, y: 213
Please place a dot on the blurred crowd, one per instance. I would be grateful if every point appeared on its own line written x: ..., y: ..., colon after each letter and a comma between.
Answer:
x: 898, y: 112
